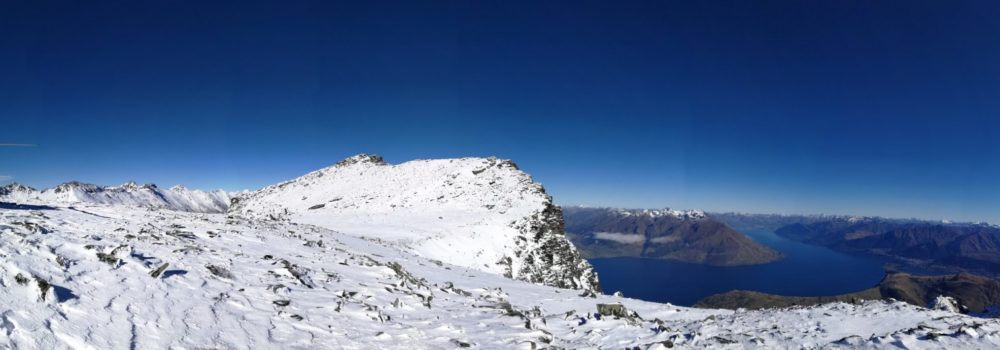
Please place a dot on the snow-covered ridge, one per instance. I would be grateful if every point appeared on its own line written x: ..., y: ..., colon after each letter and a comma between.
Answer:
x: 691, y: 214
x: 128, y: 194
x: 665, y: 212
x: 480, y: 213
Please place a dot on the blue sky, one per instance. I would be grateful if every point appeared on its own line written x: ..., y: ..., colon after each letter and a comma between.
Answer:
x: 867, y: 107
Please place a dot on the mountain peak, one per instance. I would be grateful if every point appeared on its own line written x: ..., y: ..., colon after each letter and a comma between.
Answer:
x: 71, y: 185
x: 362, y: 158
x: 15, y: 187
x: 496, y: 215
x: 129, y: 186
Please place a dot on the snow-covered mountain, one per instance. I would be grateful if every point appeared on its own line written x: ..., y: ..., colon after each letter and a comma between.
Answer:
x: 128, y: 194
x: 480, y: 213
x: 272, y: 274
x: 17, y: 192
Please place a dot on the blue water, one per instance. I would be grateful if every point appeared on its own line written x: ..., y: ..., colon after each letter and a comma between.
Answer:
x: 806, y: 270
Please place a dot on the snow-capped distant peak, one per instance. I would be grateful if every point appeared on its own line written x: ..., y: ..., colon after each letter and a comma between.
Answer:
x: 15, y: 192
x: 856, y: 219
x: 15, y: 187
x: 71, y: 186
x: 128, y: 186
x: 128, y: 194
x: 666, y: 212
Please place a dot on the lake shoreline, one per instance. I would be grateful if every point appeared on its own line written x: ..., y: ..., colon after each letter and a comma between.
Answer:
x: 805, y: 270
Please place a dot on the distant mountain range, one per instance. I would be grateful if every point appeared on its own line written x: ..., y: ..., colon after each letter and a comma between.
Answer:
x: 130, y: 193
x: 686, y: 236
x: 771, y: 222
x: 942, y: 246
x: 969, y: 247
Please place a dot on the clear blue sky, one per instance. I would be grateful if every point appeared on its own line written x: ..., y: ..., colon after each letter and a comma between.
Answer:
x: 869, y: 107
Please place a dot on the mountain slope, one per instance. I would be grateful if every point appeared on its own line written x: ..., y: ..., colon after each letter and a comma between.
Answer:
x: 687, y: 236
x: 114, y: 277
x: 478, y: 213
x: 98, y: 276
x: 129, y: 194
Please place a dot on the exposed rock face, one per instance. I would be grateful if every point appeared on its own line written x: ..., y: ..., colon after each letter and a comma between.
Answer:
x: 688, y: 236
x: 550, y: 258
x: 480, y: 213
x: 361, y: 158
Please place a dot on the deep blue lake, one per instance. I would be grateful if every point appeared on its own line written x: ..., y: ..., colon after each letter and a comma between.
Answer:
x: 806, y: 270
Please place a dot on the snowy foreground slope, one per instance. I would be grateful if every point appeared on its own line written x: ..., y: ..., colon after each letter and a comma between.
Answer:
x: 129, y: 193
x: 481, y: 213
x: 93, y: 277
x: 263, y: 276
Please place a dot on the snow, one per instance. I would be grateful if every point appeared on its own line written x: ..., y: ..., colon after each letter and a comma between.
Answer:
x: 470, y: 212
x: 274, y: 274
x: 350, y: 294
x: 666, y: 212
x: 129, y: 193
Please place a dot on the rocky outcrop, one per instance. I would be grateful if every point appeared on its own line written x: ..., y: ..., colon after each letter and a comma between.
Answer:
x: 361, y: 158
x: 547, y: 256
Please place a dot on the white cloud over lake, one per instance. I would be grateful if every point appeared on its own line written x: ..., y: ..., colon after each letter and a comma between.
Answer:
x: 625, y: 238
